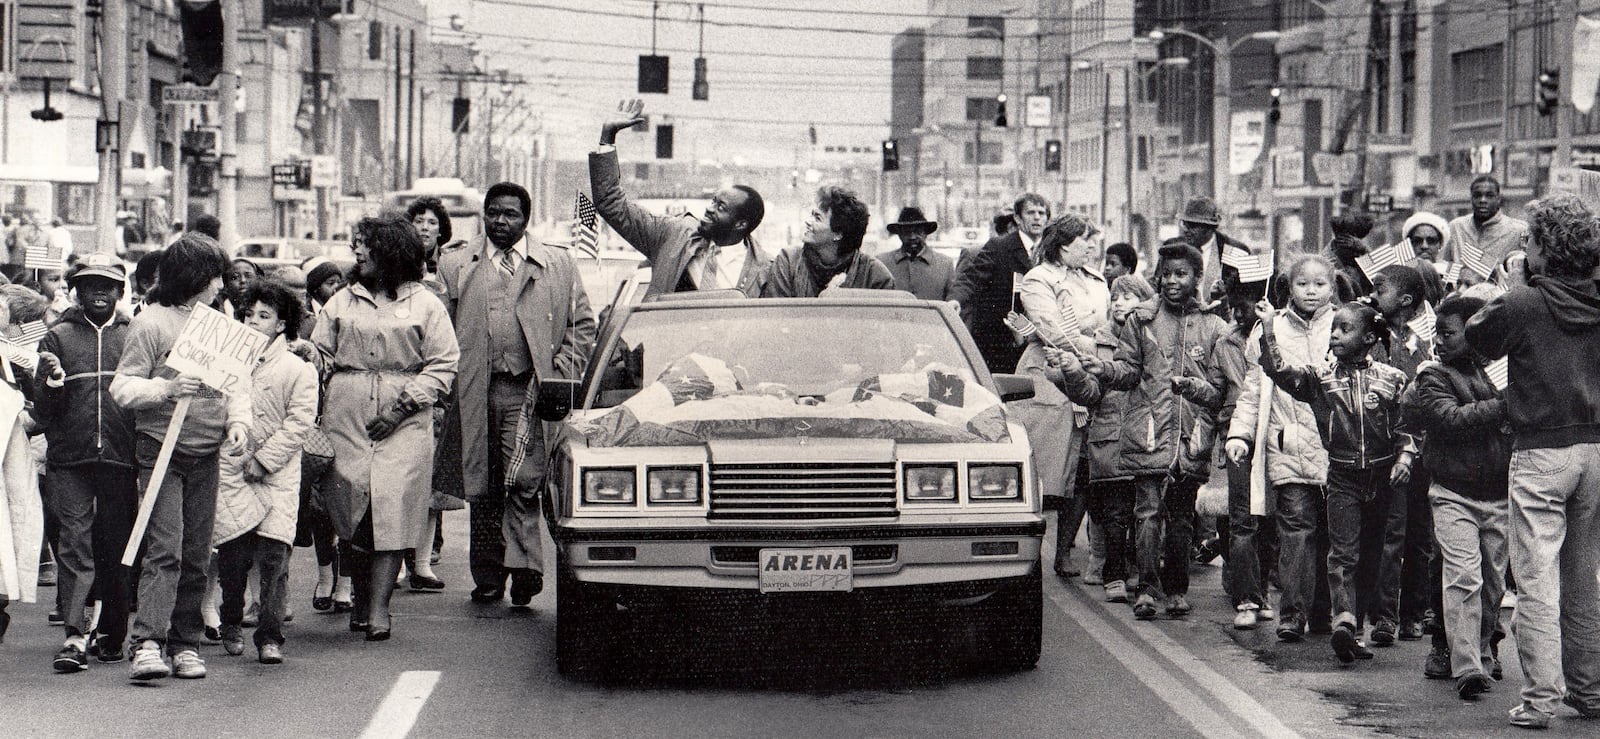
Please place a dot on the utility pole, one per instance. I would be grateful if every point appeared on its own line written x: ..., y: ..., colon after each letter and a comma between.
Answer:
x: 227, y: 110
x: 1127, y: 152
x: 1105, y: 148
x: 113, y: 88
x: 318, y: 145
x: 411, y: 105
x: 398, y: 174
x: 461, y: 91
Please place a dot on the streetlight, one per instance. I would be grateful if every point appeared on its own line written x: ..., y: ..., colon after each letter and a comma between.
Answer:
x: 1222, y: 80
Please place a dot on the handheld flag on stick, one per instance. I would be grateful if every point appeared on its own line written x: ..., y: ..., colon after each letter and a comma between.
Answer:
x: 32, y: 333
x: 1424, y: 325
x: 1450, y: 272
x: 587, y: 238
x: 1251, y: 267
x: 1474, y: 259
x: 1029, y: 332
x: 1499, y: 372
x: 1385, y: 256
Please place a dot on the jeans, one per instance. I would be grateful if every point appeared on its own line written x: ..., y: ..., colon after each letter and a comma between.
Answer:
x: 1111, y: 506
x: 1301, y: 530
x: 234, y: 559
x: 496, y: 518
x: 1555, y: 552
x: 1359, y: 506
x: 95, y: 505
x: 1164, y: 510
x: 177, y: 545
x: 1472, y: 550
x: 1250, y: 543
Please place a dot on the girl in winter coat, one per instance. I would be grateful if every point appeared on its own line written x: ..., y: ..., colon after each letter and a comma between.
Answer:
x: 258, y: 491
x: 1280, y: 436
x: 21, y: 510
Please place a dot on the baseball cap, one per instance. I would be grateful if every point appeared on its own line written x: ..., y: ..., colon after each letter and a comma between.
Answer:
x: 99, y: 265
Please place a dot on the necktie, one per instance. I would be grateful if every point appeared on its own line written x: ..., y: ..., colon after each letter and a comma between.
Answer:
x: 708, y: 270
x: 505, y: 259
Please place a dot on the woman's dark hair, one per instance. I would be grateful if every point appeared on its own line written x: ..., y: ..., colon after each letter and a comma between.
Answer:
x: 1371, y: 320
x: 847, y: 215
x: 282, y: 298
x: 187, y: 269
x: 1461, y: 306
x: 1058, y: 234
x: 395, y: 250
x: 432, y: 205
x: 1567, y: 233
x: 144, y: 272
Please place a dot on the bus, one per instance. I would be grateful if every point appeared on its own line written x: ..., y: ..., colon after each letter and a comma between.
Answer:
x: 461, y: 202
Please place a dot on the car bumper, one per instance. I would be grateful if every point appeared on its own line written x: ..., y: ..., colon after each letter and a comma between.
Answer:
x: 883, y: 557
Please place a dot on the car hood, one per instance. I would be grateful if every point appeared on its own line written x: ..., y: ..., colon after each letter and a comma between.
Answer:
x: 935, y: 404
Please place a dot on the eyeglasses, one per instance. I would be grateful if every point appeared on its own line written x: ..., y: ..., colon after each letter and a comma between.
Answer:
x: 1425, y: 240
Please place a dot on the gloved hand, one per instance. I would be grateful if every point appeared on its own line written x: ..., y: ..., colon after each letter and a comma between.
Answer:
x: 390, y: 418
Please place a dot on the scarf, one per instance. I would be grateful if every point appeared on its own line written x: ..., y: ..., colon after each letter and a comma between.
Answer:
x: 822, y: 273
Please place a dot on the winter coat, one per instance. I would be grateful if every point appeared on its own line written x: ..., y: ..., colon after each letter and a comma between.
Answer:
x: 1357, y: 406
x: 1109, y: 434
x: 284, y: 400
x: 1164, y: 432
x: 1052, y: 423
x: 1468, y: 449
x: 21, y: 509
x: 1550, y: 331
x: 789, y: 278
x: 376, y: 350
x: 1292, y: 450
x: 83, y: 424
x: 1050, y: 290
x: 984, y: 288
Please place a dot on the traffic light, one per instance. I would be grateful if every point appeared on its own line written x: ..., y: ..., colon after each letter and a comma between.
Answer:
x: 652, y: 73
x: 202, y: 40
x: 664, y: 142
x: 891, y: 155
x: 1275, y: 109
x: 1547, y: 96
x: 1000, y: 111
x: 1052, y: 156
x: 702, y: 87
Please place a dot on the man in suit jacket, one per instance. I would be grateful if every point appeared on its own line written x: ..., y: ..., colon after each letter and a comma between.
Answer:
x: 984, y: 287
x: 685, y: 253
x: 521, y: 316
x: 918, y: 269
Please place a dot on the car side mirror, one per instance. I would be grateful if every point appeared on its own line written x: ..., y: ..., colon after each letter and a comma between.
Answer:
x: 556, y: 398
x: 1014, y: 387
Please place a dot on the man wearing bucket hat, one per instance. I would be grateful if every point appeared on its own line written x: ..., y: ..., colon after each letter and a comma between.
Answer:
x: 1198, y: 225
x: 917, y: 268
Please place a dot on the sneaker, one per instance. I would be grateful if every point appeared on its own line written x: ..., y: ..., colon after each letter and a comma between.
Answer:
x: 71, y: 659
x: 54, y: 617
x: 1207, y: 551
x: 1411, y: 631
x: 1383, y: 634
x: 47, y: 575
x: 1178, y: 606
x: 1509, y: 600
x: 1265, y: 613
x: 1116, y: 592
x: 107, y: 651
x: 148, y: 664
x: 213, y: 635
x: 1245, y: 619
x: 232, y: 640
x: 1438, y: 665
x: 1093, y: 577
x: 270, y: 654
x: 1291, y: 629
x: 188, y: 665
x: 1495, y: 671
x: 1361, y: 651
x: 1575, y: 704
x: 252, y: 617
x: 1145, y: 608
x: 1344, y: 643
x: 1472, y: 685
x: 1525, y: 716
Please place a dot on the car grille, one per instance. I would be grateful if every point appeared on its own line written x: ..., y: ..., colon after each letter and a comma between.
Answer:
x: 803, y: 491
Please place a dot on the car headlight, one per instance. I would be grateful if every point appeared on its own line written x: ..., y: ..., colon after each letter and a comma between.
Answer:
x: 673, y: 485
x: 930, y: 482
x: 994, y: 481
x: 609, y: 486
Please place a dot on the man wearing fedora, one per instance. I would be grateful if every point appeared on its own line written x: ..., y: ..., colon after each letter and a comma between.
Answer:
x: 1198, y: 225
x: 918, y: 269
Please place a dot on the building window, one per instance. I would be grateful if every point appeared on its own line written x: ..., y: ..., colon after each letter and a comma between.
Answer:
x: 986, y: 25
x: 1478, y: 84
x: 991, y: 152
x: 982, y: 109
x: 75, y: 203
x: 984, y: 67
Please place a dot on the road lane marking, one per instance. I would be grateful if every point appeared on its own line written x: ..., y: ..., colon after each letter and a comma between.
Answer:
x: 399, y: 710
x: 1223, y: 690
x: 1189, y: 705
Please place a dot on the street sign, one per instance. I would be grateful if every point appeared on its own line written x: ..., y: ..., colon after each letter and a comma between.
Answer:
x: 324, y: 171
x: 1379, y: 202
x: 1288, y: 168
x: 188, y: 94
x: 1331, y: 168
x: 295, y: 175
x: 1036, y: 114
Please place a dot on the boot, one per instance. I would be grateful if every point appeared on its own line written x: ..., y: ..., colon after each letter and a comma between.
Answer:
x: 385, y: 567
x: 359, y: 566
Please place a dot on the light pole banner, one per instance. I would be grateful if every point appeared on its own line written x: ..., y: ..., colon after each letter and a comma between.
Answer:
x: 1247, y: 139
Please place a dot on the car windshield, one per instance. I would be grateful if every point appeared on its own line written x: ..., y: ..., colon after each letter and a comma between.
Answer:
x: 765, y: 369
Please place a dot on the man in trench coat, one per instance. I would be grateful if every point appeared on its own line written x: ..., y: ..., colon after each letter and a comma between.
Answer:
x: 521, y: 316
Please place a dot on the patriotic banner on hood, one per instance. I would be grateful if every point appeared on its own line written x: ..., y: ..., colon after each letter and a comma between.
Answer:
x: 1474, y: 259
x: 1251, y: 267
x: 1384, y: 256
x: 587, y: 236
x: 1499, y: 372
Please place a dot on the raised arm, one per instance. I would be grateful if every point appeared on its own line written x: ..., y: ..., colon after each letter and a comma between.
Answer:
x: 1299, y: 382
x: 645, y: 231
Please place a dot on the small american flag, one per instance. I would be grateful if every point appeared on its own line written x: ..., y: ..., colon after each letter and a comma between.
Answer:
x: 1474, y: 259
x: 1385, y: 256
x: 1450, y: 272
x: 1425, y: 323
x: 32, y: 333
x: 41, y: 256
x: 1499, y: 372
x: 21, y: 356
x: 1251, y: 267
x: 587, y: 239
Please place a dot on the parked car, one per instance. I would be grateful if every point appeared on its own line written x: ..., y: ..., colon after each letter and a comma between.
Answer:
x: 275, y: 251
x: 848, y: 446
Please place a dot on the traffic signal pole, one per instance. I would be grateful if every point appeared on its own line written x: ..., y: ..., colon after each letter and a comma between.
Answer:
x: 227, y: 110
x: 113, y: 89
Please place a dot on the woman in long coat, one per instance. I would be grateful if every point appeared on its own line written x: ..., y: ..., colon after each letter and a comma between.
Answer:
x: 390, y: 353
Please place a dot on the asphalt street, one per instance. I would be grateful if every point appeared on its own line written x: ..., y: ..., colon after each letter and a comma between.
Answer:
x: 455, y: 668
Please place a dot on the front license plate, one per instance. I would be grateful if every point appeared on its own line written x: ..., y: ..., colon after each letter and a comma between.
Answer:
x: 806, y: 570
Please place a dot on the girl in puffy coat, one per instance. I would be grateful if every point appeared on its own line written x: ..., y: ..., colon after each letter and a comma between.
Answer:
x: 258, y: 492
x: 1289, y: 465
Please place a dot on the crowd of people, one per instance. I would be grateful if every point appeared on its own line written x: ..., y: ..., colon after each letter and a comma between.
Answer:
x: 1401, y: 438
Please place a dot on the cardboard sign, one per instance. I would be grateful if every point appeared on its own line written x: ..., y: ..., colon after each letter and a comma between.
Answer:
x: 217, y: 349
